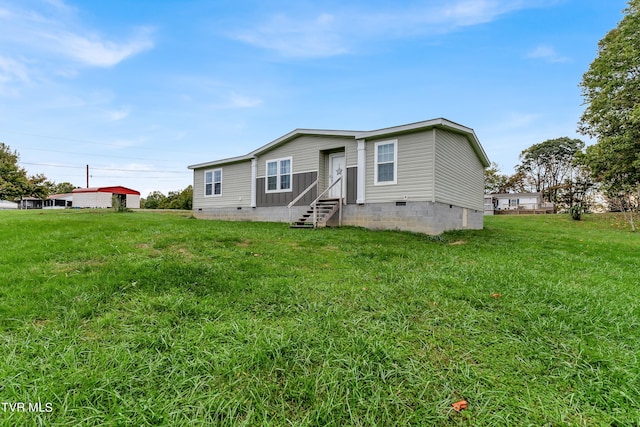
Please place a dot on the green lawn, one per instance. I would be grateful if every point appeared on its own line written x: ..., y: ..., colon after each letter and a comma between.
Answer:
x: 159, y: 319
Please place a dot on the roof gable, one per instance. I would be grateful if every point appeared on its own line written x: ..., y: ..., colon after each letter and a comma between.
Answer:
x: 379, y: 133
x: 115, y: 190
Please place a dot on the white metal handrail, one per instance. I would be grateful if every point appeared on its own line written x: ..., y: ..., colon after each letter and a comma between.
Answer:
x: 314, y: 204
x: 300, y: 196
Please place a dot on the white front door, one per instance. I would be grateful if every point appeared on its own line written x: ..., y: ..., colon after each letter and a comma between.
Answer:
x: 336, y: 170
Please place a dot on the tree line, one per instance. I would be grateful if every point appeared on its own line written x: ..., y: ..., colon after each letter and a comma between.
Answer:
x: 562, y: 169
x: 16, y: 184
x: 555, y: 168
x: 182, y: 199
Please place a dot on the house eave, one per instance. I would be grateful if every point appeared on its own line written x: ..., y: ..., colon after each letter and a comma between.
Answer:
x: 303, y: 132
x: 221, y: 162
x: 440, y: 123
x: 273, y: 144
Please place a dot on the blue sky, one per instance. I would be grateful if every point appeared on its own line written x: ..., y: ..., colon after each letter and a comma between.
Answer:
x: 139, y: 90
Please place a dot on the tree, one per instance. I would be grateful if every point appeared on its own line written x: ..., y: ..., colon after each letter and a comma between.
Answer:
x: 494, y: 181
x: 13, y: 179
x: 580, y: 188
x: 517, y: 183
x: 611, y: 91
x: 548, y: 167
x: 181, y: 199
x: 39, y: 186
x: 155, y: 200
x: 14, y: 182
x: 63, y: 187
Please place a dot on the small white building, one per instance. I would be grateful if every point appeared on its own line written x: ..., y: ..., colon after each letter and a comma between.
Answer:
x: 6, y: 204
x: 59, y: 201
x: 106, y: 197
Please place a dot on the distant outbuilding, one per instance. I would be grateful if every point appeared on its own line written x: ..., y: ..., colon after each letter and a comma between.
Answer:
x: 6, y: 204
x: 59, y: 201
x: 106, y: 197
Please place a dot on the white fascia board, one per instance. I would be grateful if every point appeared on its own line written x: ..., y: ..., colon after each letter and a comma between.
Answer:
x: 221, y: 162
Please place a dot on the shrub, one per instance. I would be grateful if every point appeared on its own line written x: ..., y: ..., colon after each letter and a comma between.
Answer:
x: 576, y: 212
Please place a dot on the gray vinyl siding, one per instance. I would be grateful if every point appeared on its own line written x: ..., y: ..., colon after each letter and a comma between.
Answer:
x: 300, y: 182
x: 459, y: 173
x: 306, y: 152
x: 236, y: 187
x: 352, y: 185
x: 415, y: 169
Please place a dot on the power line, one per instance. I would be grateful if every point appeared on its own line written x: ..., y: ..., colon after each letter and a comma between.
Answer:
x: 104, y: 169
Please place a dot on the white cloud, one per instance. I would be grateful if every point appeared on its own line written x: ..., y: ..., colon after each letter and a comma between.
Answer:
x: 12, y: 72
x: 96, y: 51
x: 326, y: 34
x: 54, y: 34
x: 296, y: 37
x: 116, y: 115
x: 547, y: 53
x: 10, y: 69
x: 242, y: 101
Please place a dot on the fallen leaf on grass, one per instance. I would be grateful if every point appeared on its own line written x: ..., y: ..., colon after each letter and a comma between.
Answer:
x: 496, y: 295
x: 460, y: 405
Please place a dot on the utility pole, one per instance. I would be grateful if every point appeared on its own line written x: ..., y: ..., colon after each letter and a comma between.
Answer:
x: 87, y: 176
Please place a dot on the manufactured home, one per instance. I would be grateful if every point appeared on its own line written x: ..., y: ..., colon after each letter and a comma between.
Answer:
x: 507, y: 203
x: 425, y: 177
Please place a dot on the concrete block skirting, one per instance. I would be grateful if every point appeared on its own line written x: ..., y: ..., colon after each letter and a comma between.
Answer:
x: 420, y: 217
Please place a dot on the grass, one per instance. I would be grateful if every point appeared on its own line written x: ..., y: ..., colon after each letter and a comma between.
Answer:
x: 159, y: 319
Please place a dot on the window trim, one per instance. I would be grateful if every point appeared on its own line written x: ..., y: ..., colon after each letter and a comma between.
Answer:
x: 213, y: 182
x: 376, y: 163
x: 278, y: 175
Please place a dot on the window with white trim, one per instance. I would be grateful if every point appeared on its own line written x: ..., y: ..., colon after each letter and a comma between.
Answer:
x: 213, y: 182
x: 386, y: 163
x: 278, y: 176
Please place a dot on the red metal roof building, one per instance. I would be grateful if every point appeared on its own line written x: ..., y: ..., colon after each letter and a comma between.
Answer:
x: 106, y: 197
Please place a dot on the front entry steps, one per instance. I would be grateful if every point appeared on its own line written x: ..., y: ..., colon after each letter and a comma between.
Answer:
x: 325, y: 210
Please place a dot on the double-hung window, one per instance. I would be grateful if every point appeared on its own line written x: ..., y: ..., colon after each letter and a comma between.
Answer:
x: 278, y: 175
x: 386, y: 163
x: 213, y: 182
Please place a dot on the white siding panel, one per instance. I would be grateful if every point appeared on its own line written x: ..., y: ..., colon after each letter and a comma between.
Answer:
x: 459, y: 173
x: 133, y: 201
x: 305, y: 151
x: 92, y: 200
x: 236, y: 187
x: 415, y: 170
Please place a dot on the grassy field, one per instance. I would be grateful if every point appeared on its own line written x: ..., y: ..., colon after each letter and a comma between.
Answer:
x: 159, y: 319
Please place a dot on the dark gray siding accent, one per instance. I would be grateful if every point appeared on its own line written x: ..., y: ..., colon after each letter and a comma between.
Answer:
x: 300, y: 183
x: 352, y: 185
